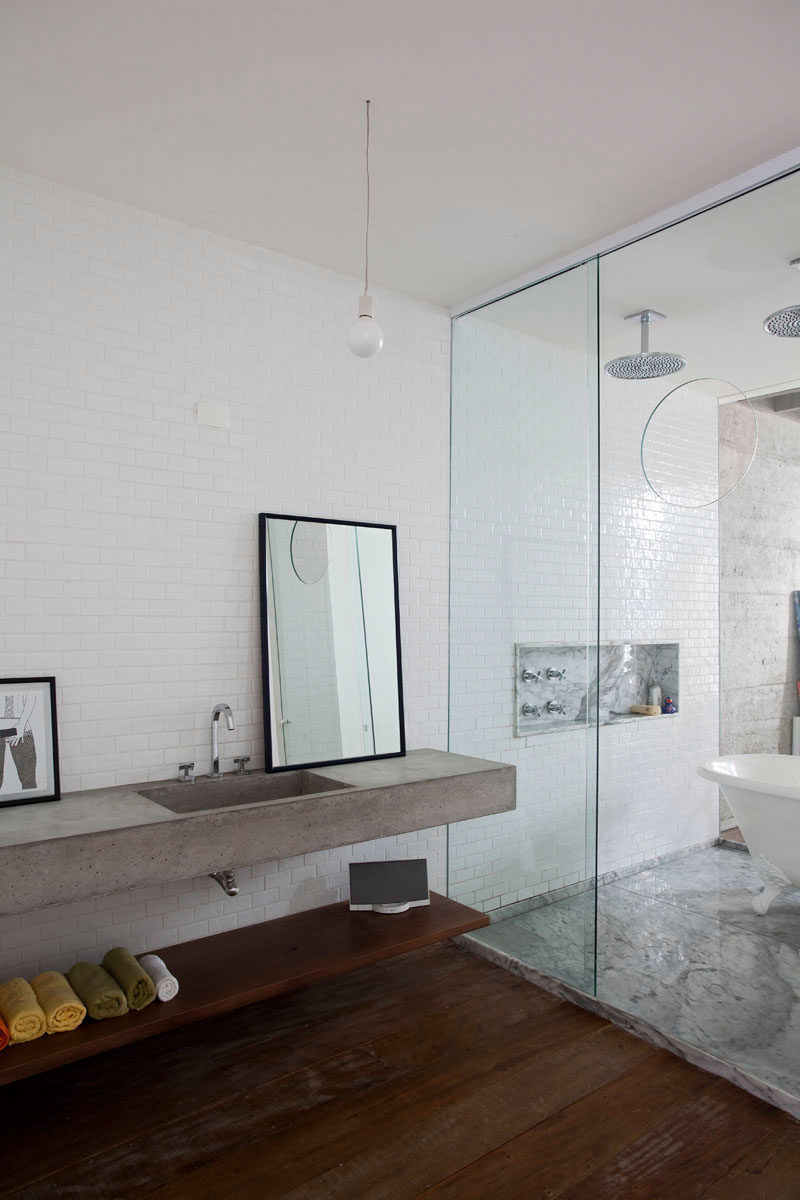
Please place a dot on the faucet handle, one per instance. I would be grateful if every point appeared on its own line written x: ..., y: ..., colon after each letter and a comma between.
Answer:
x: 241, y: 763
x: 185, y: 768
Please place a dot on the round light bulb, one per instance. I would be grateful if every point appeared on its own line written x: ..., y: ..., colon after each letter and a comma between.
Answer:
x: 365, y: 336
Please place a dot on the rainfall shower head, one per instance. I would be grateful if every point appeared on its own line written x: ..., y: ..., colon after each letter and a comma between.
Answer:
x: 647, y: 364
x: 785, y: 322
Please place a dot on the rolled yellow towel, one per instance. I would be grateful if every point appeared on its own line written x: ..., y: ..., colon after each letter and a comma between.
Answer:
x: 62, y: 1008
x: 21, y: 1011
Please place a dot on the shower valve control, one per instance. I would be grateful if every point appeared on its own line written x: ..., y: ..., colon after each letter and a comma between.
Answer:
x: 554, y: 673
x: 531, y: 676
x: 554, y: 707
x: 530, y: 710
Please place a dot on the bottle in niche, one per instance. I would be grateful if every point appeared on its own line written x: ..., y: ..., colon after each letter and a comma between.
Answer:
x: 654, y: 695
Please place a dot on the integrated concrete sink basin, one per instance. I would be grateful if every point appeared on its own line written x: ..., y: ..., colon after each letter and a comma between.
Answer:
x: 205, y: 794
x: 109, y: 839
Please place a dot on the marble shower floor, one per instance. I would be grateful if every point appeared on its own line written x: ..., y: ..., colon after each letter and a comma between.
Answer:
x: 680, y: 948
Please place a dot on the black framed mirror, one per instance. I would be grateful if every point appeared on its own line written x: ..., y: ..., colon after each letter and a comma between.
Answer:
x: 330, y: 641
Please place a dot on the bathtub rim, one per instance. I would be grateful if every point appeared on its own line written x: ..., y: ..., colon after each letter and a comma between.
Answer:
x: 715, y: 772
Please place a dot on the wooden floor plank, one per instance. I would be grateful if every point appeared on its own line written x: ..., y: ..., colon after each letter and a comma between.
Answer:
x: 770, y: 1172
x: 490, y: 1025
x: 279, y: 1043
x: 447, y: 1139
x: 560, y: 1152
x: 435, y: 1075
x: 274, y: 1038
x: 680, y: 1155
x: 286, y: 1158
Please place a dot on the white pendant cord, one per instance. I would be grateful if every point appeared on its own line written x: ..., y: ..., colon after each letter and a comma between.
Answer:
x: 366, y: 234
x: 365, y: 337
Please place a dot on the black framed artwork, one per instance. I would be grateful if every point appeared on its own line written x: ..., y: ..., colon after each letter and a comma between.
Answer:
x: 28, y: 741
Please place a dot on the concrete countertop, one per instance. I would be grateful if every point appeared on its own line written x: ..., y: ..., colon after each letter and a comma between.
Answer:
x: 109, y: 839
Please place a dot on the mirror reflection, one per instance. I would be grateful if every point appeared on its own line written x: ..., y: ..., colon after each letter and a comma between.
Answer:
x: 332, y: 679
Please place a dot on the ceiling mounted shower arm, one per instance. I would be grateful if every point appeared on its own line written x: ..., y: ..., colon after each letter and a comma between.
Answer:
x: 646, y: 318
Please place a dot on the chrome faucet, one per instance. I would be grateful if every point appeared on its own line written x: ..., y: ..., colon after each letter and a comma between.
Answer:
x: 215, y: 772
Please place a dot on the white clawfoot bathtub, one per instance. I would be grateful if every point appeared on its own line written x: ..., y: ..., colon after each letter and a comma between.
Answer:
x: 763, y: 791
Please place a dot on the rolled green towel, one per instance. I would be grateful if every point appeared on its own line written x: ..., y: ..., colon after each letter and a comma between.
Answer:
x: 98, y: 991
x: 131, y: 976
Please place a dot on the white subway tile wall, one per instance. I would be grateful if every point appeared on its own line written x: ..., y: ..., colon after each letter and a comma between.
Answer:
x: 524, y: 569
x: 659, y: 581
x: 145, y: 918
x: 128, y: 543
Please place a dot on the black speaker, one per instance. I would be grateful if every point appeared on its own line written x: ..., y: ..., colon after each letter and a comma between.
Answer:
x: 389, y: 887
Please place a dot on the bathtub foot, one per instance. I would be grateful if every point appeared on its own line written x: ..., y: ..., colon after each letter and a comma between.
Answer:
x: 763, y: 899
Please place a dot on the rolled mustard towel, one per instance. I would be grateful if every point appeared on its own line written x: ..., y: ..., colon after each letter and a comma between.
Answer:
x: 20, y: 1011
x: 62, y: 1009
x: 166, y: 984
x: 137, y: 985
x: 98, y: 991
x: 3, y: 1035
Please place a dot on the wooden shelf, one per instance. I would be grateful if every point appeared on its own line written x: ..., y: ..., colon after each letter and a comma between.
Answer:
x: 229, y: 970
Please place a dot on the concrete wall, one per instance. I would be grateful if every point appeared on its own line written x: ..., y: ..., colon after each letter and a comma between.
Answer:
x: 759, y: 570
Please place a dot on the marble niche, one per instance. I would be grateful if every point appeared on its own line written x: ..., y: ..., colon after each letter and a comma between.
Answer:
x: 561, y: 686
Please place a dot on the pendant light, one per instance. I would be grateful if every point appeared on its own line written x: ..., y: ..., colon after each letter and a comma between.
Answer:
x: 365, y: 336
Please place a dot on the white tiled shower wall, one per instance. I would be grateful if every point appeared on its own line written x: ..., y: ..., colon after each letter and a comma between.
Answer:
x: 524, y: 569
x: 129, y: 531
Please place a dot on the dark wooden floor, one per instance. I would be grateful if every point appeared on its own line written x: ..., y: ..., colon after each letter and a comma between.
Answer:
x: 432, y: 1075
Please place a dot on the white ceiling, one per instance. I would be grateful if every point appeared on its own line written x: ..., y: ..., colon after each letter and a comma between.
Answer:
x: 716, y: 277
x: 504, y: 133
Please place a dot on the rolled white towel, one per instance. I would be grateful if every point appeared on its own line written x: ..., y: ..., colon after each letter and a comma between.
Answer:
x: 162, y: 977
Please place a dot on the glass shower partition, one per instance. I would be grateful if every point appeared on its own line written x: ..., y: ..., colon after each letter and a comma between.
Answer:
x: 524, y: 603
